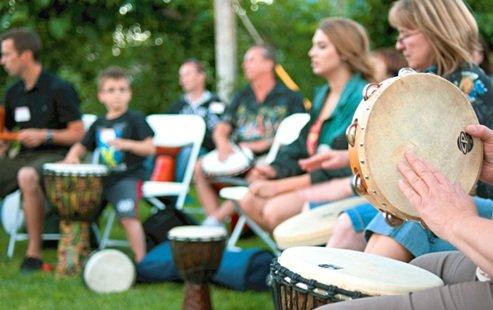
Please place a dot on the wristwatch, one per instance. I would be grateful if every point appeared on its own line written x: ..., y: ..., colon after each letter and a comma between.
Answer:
x: 49, y: 137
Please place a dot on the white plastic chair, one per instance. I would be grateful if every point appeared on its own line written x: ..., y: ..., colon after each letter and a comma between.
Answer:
x: 287, y: 132
x: 169, y: 131
x: 13, y: 215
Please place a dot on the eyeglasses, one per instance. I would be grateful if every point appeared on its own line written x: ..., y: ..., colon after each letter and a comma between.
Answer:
x: 114, y: 90
x: 400, y: 39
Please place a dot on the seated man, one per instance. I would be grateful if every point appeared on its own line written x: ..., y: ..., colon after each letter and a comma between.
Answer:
x: 251, y: 120
x: 199, y: 101
x: 44, y: 110
x: 123, y: 139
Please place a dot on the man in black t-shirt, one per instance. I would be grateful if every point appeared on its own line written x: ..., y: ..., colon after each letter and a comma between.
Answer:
x: 44, y: 110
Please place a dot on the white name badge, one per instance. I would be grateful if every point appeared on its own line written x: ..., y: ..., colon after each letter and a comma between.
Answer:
x: 107, y: 135
x: 216, y: 107
x: 22, y: 114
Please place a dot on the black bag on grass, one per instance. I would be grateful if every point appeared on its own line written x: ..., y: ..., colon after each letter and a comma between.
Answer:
x: 156, y: 227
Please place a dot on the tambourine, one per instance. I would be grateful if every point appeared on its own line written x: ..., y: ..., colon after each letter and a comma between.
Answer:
x: 418, y: 112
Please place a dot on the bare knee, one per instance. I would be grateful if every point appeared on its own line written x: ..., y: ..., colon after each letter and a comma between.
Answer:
x: 28, y: 178
x: 386, y: 246
x: 344, y: 236
x: 273, y: 215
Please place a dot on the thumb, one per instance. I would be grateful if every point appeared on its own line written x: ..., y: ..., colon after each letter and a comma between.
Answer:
x: 480, y: 131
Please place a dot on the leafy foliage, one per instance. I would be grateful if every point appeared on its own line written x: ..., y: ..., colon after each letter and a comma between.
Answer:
x: 151, y: 38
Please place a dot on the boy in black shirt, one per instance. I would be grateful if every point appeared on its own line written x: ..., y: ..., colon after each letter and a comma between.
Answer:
x: 122, y: 139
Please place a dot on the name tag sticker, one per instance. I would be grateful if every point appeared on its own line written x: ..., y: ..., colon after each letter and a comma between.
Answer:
x: 22, y: 114
x: 108, y: 135
x: 216, y: 107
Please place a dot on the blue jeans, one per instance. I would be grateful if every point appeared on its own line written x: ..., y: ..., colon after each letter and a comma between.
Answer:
x: 417, y: 240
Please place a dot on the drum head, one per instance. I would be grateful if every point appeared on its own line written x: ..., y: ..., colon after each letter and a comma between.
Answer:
x: 197, y: 233
x: 109, y: 271
x: 237, y: 163
x: 426, y: 114
x: 313, y: 227
x: 78, y: 169
x: 12, y: 219
x: 357, y: 271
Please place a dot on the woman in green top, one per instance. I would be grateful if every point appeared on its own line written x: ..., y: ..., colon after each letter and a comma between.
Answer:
x: 339, y: 54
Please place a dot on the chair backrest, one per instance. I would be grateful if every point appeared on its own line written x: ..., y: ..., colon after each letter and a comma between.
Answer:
x: 288, y: 131
x: 175, y: 130
x: 88, y: 119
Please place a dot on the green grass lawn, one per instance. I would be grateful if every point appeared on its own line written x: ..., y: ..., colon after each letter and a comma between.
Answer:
x: 44, y: 291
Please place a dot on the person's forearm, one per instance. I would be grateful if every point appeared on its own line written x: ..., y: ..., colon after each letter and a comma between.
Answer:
x: 472, y: 237
x: 141, y: 148
x: 221, y: 133
x: 72, y: 134
x: 292, y: 183
x: 76, y: 151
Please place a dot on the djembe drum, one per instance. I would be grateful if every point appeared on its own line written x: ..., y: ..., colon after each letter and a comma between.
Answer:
x: 109, y: 271
x: 230, y: 170
x: 313, y: 227
x: 309, y: 277
x: 75, y: 192
x: 417, y: 112
x: 197, y: 253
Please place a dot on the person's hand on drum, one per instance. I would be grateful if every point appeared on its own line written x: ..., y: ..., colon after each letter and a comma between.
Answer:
x: 261, y: 172
x: 264, y: 189
x: 441, y: 204
x: 486, y: 135
x: 224, y: 150
x: 32, y: 137
x: 328, y: 159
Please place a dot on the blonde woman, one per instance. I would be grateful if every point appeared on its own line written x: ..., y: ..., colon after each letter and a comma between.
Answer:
x: 439, y: 36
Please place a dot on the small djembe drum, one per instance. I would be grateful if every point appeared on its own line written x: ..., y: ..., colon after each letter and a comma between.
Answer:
x: 313, y: 227
x: 197, y: 253
x: 309, y: 277
x: 75, y: 191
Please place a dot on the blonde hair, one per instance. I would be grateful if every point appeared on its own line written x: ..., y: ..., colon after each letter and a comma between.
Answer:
x: 352, y: 44
x: 448, y: 24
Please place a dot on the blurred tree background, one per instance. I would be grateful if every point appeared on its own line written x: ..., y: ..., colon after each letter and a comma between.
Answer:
x: 151, y: 38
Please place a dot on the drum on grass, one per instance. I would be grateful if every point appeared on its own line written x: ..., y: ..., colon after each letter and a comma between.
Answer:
x: 236, y: 164
x: 313, y: 227
x: 109, y: 271
x: 308, y: 277
x: 417, y: 112
x: 75, y: 192
x: 197, y: 253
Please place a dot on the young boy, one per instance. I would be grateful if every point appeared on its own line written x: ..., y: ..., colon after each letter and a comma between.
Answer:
x: 123, y: 139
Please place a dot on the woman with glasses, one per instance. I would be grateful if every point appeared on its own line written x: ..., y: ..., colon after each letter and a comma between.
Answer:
x: 439, y: 37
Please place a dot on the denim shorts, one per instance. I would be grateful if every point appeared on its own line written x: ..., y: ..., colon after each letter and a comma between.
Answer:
x: 416, y: 239
x: 361, y: 216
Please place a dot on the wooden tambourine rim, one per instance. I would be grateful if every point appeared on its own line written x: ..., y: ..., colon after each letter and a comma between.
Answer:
x: 358, y: 156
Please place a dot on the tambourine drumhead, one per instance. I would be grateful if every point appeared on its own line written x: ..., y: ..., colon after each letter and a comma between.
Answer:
x: 79, y: 169
x: 313, y: 227
x: 197, y: 233
x: 357, y: 271
x: 237, y: 163
x: 420, y: 112
x: 109, y: 271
